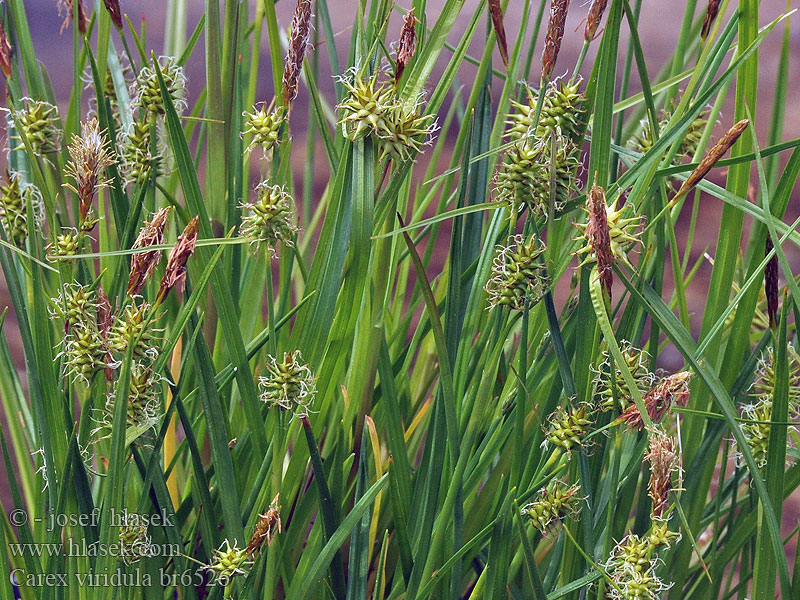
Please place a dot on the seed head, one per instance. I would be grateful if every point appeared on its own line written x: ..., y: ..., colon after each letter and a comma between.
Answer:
x: 288, y: 384
x: 135, y: 326
x: 146, y: 92
x: 143, y: 263
x: 643, y: 141
x: 298, y: 42
x: 407, y: 45
x: 75, y: 304
x: 765, y: 380
x: 556, y: 502
x: 660, y: 535
x: 636, y: 360
x: 771, y: 284
x: 15, y: 198
x: 66, y: 11
x: 134, y: 544
x: 84, y: 351
x: 40, y: 123
x: 518, y: 274
x: 65, y: 245
x: 568, y: 427
x: 270, y: 219
x: 594, y: 18
x: 6, y: 53
x: 563, y: 114
x: 268, y: 525
x: 135, y: 151
x: 632, y: 567
x: 555, y: 32
x: 664, y: 461
x: 175, y: 272
x: 672, y: 390
x: 404, y: 131
x: 229, y: 562
x: 538, y: 176
x: 90, y: 157
x: 756, y: 430
x: 143, y: 409
x: 112, y: 6
x: 366, y: 106
x: 264, y: 125
x: 713, y: 156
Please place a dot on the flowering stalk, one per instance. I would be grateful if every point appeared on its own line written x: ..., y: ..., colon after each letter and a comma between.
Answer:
x: 496, y: 12
x: 175, y: 272
x: 298, y: 42
x: 711, y: 16
x: 593, y: 20
x: 670, y: 391
x: 771, y: 283
x: 91, y: 156
x: 112, y: 6
x: 407, y: 46
x: 66, y: 10
x: 143, y: 263
x: 6, y: 52
x: 555, y: 33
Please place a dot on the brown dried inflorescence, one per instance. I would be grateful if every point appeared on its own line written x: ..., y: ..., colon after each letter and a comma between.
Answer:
x: 298, y: 42
x: 407, y: 45
x: 496, y: 12
x: 66, y: 10
x: 175, y: 272
x: 267, y: 526
x: 91, y: 156
x: 143, y: 263
x: 711, y: 16
x: 771, y: 284
x: 713, y: 156
x: 112, y: 6
x: 670, y: 391
x: 597, y: 233
x: 6, y: 52
x: 664, y: 461
x: 593, y: 19
x: 555, y: 32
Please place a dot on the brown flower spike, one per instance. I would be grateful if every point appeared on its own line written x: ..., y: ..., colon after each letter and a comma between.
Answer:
x: 91, y: 156
x: 771, y: 284
x: 713, y: 156
x: 112, y: 6
x: 593, y: 19
x: 597, y: 233
x: 496, y: 11
x: 66, y: 10
x: 663, y: 459
x: 711, y: 16
x: 143, y: 263
x: 175, y: 272
x: 407, y: 46
x: 298, y: 42
x: 670, y: 391
x: 6, y: 52
x: 555, y: 32
x: 267, y: 526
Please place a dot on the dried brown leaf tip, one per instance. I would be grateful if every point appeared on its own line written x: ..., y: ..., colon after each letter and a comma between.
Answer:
x: 713, y: 156
x: 711, y: 16
x: 66, y: 10
x: 268, y: 525
x: 496, y: 12
x: 298, y: 42
x: 112, y: 6
x: 593, y: 19
x: 771, y: 284
x: 6, y: 52
x: 175, y: 273
x: 672, y: 390
x: 555, y: 33
x: 407, y: 45
x: 664, y: 460
x: 143, y: 263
